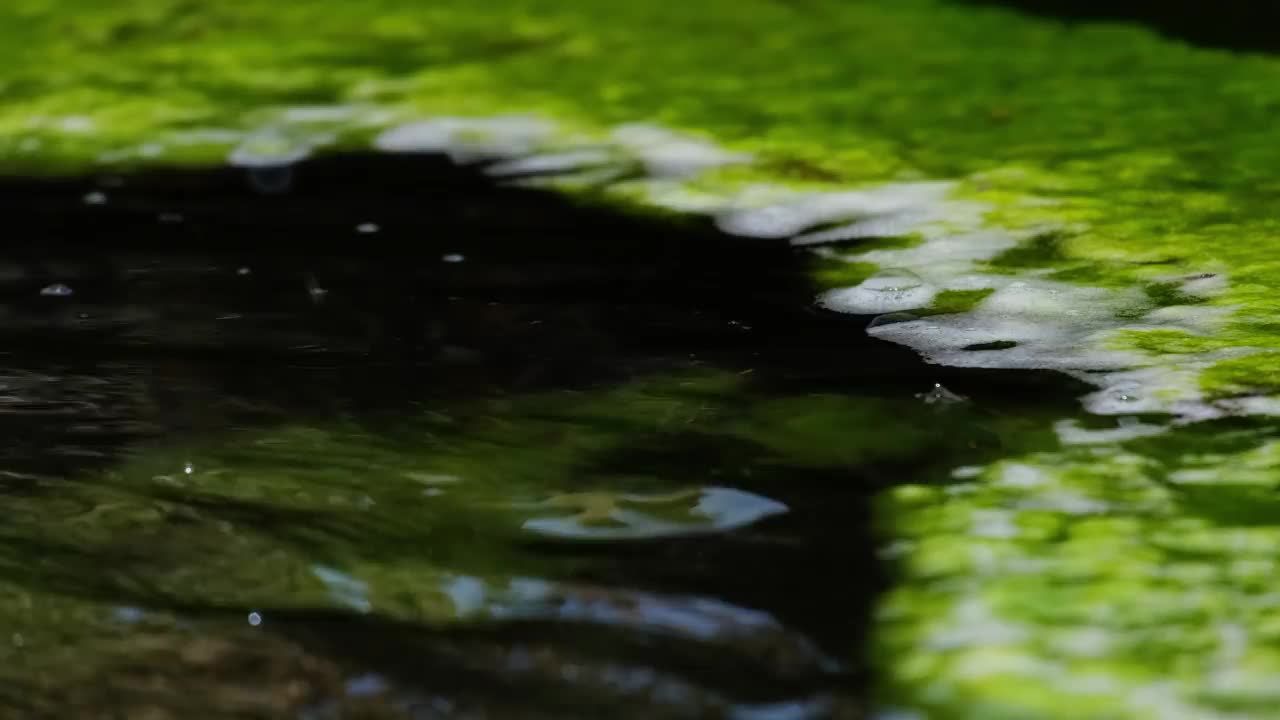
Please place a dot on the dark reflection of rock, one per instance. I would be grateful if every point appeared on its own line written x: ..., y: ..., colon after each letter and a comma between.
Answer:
x: 244, y: 396
x: 1233, y: 24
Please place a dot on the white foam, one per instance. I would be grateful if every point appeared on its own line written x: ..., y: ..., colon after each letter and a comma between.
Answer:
x: 667, y: 154
x: 800, y: 212
x: 270, y: 148
x: 468, y: 139
x: 1052, y: 326
x: 575, y: 160
x: 885, y: 292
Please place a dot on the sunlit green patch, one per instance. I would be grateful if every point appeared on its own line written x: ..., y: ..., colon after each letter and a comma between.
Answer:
x: 1168, y: 342
x: 1127, y: 581
x: 958, y: 301
x: 1258, y: 373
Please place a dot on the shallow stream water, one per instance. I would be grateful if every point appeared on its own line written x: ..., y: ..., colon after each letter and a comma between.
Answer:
x: 374, y: 437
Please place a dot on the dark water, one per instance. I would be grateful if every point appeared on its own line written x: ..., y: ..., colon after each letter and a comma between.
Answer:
x: 377, y: 438
x: 1229, y: 24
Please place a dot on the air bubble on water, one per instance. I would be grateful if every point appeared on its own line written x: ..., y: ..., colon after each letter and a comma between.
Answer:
x: 95, y: 198
x: 893, y: 280
x: 255, y: 619
x: 887, y: 291
x: 367, y: 228
x: 453, y: 258
x: 57, y: 290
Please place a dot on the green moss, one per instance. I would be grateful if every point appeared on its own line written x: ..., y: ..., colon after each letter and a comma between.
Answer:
x: 838, y: 273
x: 1137, y: 571
x: 1166, y: 342
x: 1258, y: 373
x: 958, y: 301
x: 1043, y: 250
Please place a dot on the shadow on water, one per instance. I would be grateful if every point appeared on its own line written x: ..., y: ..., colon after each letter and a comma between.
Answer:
x: 1246, y: 25
x: 452, y: 449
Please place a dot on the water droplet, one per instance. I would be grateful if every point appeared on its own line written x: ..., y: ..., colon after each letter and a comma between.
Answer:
x: 367, y: 228
x: 95, y: 198
x: 940, y: 395
x: 18, y: 640
x: 170, y: 218
x: 188, y: 469
x: 453, y: 258
x: 57, y: 290
x: 255, y: 619
x: 244, y: 271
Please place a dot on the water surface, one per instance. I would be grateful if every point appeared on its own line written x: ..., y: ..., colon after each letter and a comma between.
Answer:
x: 374, y: 437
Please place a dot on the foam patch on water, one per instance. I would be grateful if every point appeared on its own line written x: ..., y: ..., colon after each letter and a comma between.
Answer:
x: 667, y: 154
x: 1034, y: 324
x: 791, y: 216
x: 609, y: 516
x: 886, y: 291
x: 469, y: 139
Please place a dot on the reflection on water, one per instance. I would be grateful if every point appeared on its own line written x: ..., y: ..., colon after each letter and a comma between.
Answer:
x: 538, y: 462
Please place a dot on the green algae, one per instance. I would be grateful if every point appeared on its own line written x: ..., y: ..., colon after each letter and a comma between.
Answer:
x: 1123, y: 579
x: 1109, y: 579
